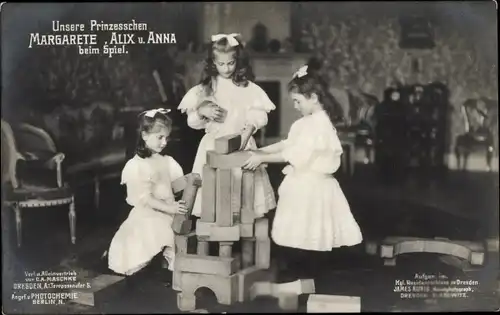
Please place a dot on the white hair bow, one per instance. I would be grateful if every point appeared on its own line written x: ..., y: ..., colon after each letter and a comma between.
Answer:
x: 301, y: 72
x: 152, y: 112
x: 231, y: 38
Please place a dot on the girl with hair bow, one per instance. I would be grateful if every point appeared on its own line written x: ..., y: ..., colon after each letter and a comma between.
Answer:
x: 225, y: 102
x: 148, y: 177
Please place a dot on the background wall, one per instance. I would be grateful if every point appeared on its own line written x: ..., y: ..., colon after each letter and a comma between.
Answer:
x: 358, y: 42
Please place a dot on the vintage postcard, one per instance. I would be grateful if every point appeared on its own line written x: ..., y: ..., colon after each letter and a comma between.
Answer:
x: 249, y: 157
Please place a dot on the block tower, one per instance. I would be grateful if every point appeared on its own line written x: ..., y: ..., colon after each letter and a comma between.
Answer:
x: 227, y: 216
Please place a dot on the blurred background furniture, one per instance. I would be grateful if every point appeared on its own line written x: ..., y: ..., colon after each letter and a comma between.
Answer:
x: 481, y: 120
x: 362, y: 110
x: 32, y: 172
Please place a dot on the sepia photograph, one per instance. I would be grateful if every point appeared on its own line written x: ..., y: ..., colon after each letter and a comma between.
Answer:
x: 249, y: 157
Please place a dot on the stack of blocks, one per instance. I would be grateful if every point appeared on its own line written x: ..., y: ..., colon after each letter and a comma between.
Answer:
x: 227, y: 216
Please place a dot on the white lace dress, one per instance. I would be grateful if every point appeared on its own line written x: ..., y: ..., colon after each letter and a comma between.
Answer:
x: 145, y: 232
x: 312, y: 211
x: 245, y: 106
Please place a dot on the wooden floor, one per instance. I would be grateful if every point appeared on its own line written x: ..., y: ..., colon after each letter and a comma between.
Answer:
x: 460, y: 206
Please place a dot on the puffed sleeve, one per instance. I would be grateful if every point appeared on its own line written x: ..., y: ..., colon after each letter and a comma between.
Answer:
x: 138, y: 178
x: 189, y: 105
x: 175, y: 169
x: 312, y: 146
x: 260, y: 107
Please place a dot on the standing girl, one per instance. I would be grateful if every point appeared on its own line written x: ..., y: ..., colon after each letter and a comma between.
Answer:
x: 313, y: 213
x: 228, y: 102
x: 148, y: 177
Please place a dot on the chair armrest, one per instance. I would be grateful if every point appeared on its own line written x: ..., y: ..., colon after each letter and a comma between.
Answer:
x: 56, y: 161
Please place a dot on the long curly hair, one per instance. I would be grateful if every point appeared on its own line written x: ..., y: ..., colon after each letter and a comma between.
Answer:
x: 150, y: 124
x: 243, y: 72
x: 311, y: 83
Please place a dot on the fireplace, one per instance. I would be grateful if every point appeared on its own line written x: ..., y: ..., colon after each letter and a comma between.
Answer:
x: 273, y: 72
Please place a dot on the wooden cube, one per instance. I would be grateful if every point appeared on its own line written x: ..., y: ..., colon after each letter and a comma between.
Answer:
x: 386, y: 251
x: 247, y: 277
x: 228, y: 144
x: 246, y: 230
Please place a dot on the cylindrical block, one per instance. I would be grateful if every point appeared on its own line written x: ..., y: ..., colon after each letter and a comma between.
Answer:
x: 225, y: 249
x: 202, y: 247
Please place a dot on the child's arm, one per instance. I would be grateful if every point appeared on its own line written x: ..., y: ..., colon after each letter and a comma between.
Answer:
x: 169, y: 208
x: 258, y: 158
x: 273, y: 148
x: 256, y: 117
x: 195, y: 120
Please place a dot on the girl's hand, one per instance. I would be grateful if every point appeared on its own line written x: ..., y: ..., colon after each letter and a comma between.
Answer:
x: 253, y: 162
x: 211, y: 111
x: 179, y: 207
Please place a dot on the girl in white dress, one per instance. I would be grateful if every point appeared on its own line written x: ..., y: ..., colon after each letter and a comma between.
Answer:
x: 148, y: 177
x: 312, y: 213
x: 228, y: 102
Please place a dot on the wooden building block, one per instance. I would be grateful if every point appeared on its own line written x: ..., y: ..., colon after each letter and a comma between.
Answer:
x: 236, y: 185
x: 476, y: 258
x: 181, y: 242
x: 176, y: 280
x: 214, y: 233
x: 298, y: 287
x: 203, y: 228
x: 225, y: 249
x: 186, y: 302
x: 181, y: 183
x: 224, y: 233
x: 225, y: 288
x: 288, y: 302
x: 246, y: 229
x: 386, y: 251
x: 263, y: 253
x: 223, y: 216
x: 247, y: 197
x: 227, y: 161
x: 228, y: 144
x: 262, y: 229
x: 102, y: 288
x: 492, y: 245
x: 213, y: 265
x: 182, y: 223
x: 320, y: 303
x: 202, y: 246
x: 208, y: 194
x: 248, y: 253
x: 247, y: 277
